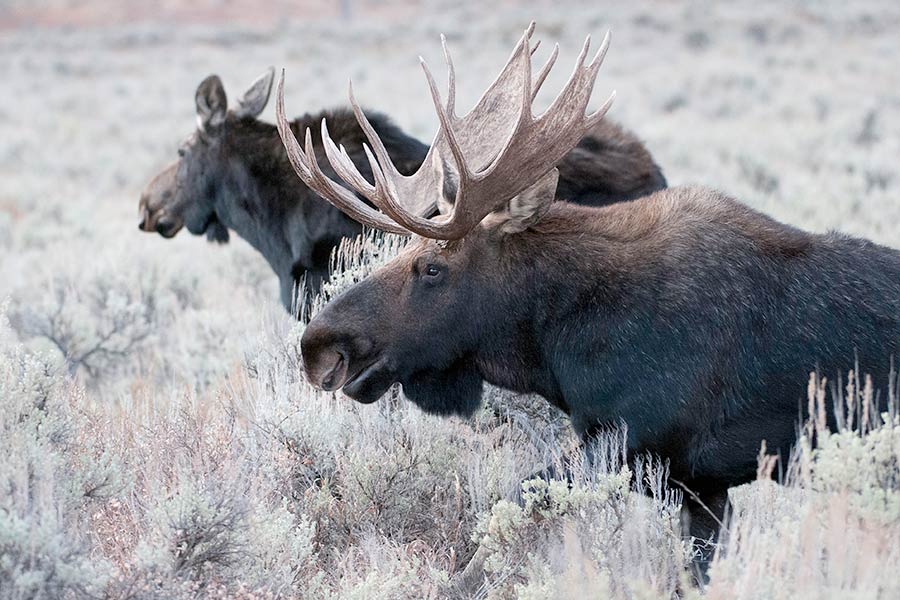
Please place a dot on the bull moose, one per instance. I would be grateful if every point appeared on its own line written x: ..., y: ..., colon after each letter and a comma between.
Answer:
x: 688, y: 316
x: 233, y: 173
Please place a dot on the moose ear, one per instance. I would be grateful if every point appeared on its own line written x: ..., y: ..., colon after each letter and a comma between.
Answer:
x: 254, y: 100
x: 530, y: 206
x: 212, y: 103
x: 449, y: 182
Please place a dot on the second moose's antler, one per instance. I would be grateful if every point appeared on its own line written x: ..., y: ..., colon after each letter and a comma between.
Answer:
x: 499, y: 149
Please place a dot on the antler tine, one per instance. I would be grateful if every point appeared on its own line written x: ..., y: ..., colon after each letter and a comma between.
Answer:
x: 598, y: 114
x: 291, y: 145
x: 597, y: 61
x: 545, y: 70
x: 527, y: 90
x: 349, y: 161
x: 446, y: 124
x: 579, y: 62
x: 344, y: 166
x: 307, y: 169
x: 601, y: 51
x: 345, y: 200
x: 451, y: 78
x: 529, y: 30
x: 371, y: 135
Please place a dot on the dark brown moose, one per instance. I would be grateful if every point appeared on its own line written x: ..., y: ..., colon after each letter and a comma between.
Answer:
x: 691, y: 318
x: 233, y: 174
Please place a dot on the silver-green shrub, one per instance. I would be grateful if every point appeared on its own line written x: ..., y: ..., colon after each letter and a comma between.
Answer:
x: 47, y: 477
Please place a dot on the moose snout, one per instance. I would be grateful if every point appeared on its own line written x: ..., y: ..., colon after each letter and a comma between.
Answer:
x: 157, y: 208
x: 146, y: 223
x: 158, y: 221
x: 325, y: 363
x: 325, y: 360
x: 330, y: 370
x: 330, y: 357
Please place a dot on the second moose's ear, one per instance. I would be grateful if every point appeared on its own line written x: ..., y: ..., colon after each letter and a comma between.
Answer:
x: 212, y: 104
x: 448, y: 183
x: 254, y: 100
x: 528, y: 207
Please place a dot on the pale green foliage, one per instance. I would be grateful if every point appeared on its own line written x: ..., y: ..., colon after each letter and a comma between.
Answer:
x: 95, y: 326
x: 39, y: 558
x: 866, y: 468
x: 196, y: 528
x: 283, y: 548
x: 382, y: 571
x: 354, y: 259
x: 831, y: 533
x: 210, y: 532
x: 110, y: 325
x: 601, y: 521
x: 43, y: 472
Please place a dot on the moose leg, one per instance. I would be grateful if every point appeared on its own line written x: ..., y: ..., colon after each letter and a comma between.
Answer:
x: 704, y: 514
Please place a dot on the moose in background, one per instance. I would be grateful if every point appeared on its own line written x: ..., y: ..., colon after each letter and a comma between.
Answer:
x: 232, y: 173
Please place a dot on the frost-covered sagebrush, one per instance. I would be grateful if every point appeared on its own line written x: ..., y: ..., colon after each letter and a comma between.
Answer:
x: 48, y: 474
x: 187, y: 458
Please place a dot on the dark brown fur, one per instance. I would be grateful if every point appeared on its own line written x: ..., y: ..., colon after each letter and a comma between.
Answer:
x: 687, y: 316
x: 626, y: 170
x: 234, y: 175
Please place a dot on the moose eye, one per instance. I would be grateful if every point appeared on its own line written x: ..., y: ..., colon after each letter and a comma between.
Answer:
x: 429, y: 273
x: 181, y: 152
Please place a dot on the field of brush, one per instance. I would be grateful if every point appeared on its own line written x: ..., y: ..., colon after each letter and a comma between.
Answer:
x: 157, y: 438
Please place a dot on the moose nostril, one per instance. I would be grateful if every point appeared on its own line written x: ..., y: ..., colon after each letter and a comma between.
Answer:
x: 164, y: 228
x: 333, y: 376
x: 142, y: 224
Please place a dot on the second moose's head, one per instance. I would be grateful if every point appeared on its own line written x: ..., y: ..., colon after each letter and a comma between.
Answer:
x: 184, y: 194
x: 232, y: 174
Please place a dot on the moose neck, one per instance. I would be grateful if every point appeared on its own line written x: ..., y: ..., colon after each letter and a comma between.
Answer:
x: 262, y: 200
x: 556, y: 277
x: 246, y: 198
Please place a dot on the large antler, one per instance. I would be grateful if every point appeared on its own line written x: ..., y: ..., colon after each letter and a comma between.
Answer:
x: 307, y: 168
x: 499, y: 149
